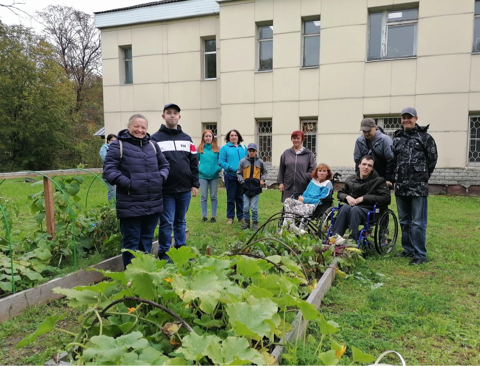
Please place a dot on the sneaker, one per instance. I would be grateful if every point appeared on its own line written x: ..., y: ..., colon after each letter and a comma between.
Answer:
x: 404, y: 254
x: 204, y: 219
x: 418, y: 261
x: 212, y: 220
x: 241, y: 221
x: 229, y: 221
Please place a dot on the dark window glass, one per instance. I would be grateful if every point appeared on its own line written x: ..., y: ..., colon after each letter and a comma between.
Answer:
x: 476, y: 36
x: 477, y: 7
x: 128, y: 65
x: 311, y: 51
x: 401, y: 40
x: 211, y: 46
x: 311, y: 27
x: 211, y: 66
x: 375, y: 40
x: 266, y: 32
x: 266, y: 55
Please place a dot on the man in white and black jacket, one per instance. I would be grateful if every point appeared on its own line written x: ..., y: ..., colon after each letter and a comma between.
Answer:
x: 181, y: 153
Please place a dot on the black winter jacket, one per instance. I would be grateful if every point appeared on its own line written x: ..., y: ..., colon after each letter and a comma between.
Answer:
x: 416, y: 155
x: 380, y: 150
x: 139, y: 175
x: 181, y: 153
x: 373, y: 189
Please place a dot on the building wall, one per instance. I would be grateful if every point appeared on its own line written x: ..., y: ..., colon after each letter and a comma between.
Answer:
x: 167, y: 68
x: 442, y: 81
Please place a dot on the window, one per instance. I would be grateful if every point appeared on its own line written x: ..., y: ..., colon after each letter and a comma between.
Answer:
x: 474, y: 148
x: 212, y: 127
x: 311, y: 43
x: 388, y: 124
x: 265, y: 140
x: 476, y: 34
x: 393, y: 34
x: 265, y: 48
x: 127, y: 61
x: 210, y: 59
x: 309, y: 128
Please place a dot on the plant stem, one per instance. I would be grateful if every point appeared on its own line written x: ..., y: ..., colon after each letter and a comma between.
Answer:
x: 100, y: 321
x: 66, y: 332
x: 319, y: 348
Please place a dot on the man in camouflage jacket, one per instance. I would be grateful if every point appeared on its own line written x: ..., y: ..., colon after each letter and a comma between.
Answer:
x: 415, y: 154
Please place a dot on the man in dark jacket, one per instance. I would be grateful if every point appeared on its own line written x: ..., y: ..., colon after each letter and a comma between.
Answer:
x: 415, y: 154
x: 375, y: 143
x: 360, y: 193
x: 181, y: 153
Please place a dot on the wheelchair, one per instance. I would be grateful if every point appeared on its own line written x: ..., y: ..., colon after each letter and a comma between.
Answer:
x: 379, y: 232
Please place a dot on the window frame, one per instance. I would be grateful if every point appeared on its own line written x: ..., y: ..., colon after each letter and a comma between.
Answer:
x: 470, y: 139
x: 475, y: 17
x: 126, y: 61
x: 305, y: 36
x: 385, y: 26
x: 380, y: 122
x: 205, y: 53
x: 260, y: 41
x: 314, y: 134
x: 206, y: 125
x: 269, y: 153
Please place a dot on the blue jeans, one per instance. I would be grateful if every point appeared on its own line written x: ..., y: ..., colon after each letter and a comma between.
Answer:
x: 111, y: 191
x: 350, y: 217
x: 205, y: 185
x: 250, y: 203
x: 175, y: 207
x: 137, y: 234
x: 412, y: 214
x: 234, y: 197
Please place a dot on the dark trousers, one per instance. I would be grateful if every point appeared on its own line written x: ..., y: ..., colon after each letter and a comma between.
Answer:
x: 234, y: 197
x: 413, y: 214
x: 137, y: 234
x: 350, y: 217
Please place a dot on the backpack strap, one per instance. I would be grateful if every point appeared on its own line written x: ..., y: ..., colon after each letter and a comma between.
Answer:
x: 153, y: 145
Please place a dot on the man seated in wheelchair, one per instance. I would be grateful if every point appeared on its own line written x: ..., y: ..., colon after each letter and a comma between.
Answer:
x: 360, y: 193
x: 319, y: 188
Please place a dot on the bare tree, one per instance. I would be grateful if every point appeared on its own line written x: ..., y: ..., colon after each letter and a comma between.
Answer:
x: 77, y: 43
x: 13, y: 7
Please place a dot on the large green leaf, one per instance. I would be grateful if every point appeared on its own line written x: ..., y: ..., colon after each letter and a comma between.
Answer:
x: 144, y: 276
x: 327, y: 328
x: 328, y: 358
x: 249, y: 268
x: 47, y: 325
x: 72, y: 189
x: 233, y: 351
x: 43, y: 254
x: 360, y: 357
x: 151, y: 356
x: 111, y: 350
x: 308, y: 311
x: 194, y: 346
x: 79, y: 298
x: 181, y: 255
x: 251, y: 315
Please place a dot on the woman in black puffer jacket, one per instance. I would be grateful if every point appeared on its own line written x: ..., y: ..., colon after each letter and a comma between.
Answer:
x: 138, y: 168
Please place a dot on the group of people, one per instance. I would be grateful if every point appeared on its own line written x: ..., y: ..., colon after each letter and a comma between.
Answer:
x: 156, y: 176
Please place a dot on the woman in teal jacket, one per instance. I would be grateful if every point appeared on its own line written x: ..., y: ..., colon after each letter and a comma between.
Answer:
x: 209, y: 170
x: 230, y: 156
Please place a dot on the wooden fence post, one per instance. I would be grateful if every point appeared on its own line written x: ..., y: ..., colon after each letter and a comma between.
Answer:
x: 49, y: 206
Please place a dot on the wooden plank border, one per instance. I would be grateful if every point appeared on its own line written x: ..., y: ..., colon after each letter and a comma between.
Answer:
x: 17, y: 303
x: 316, y: 297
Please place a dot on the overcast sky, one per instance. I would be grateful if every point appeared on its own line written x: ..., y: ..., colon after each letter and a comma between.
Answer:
x: 30, y: 6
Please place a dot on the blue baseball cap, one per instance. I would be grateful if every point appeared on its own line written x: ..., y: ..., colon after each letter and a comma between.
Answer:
x: 252, y: 146
x: 171, y: 105
x: 409, y: 110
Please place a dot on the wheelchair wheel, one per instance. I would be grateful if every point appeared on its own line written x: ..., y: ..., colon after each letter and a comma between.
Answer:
x: 386, y: 232
x: 325, y: 223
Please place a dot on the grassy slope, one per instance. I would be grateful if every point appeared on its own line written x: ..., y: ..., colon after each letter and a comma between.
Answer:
x: 430, y: 314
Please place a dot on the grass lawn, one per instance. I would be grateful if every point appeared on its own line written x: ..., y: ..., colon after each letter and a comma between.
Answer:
x: 430, y: 314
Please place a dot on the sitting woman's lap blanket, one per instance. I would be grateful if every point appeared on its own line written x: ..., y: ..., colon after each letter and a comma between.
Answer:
x: 295, y: 206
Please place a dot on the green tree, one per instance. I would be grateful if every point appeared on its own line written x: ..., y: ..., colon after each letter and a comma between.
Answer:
x: 36, y: 98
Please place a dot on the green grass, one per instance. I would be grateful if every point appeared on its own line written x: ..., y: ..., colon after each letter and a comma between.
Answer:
x: 430, y: 313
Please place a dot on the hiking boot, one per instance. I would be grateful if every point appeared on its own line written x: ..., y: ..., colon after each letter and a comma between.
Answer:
x: 255, y: 225
x: 246, y: 225
x: 204, y: 219
x: 229, y: 221
x: 213, y: 220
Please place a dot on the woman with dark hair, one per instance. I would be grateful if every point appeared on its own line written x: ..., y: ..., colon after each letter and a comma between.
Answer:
x: 209, y: 170
x: 138, y: 168
x: 230, y: 156
x: 103, y: 153
x: 296, y: 167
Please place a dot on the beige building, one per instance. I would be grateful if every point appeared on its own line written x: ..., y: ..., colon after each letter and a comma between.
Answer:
x: 268, y: 67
